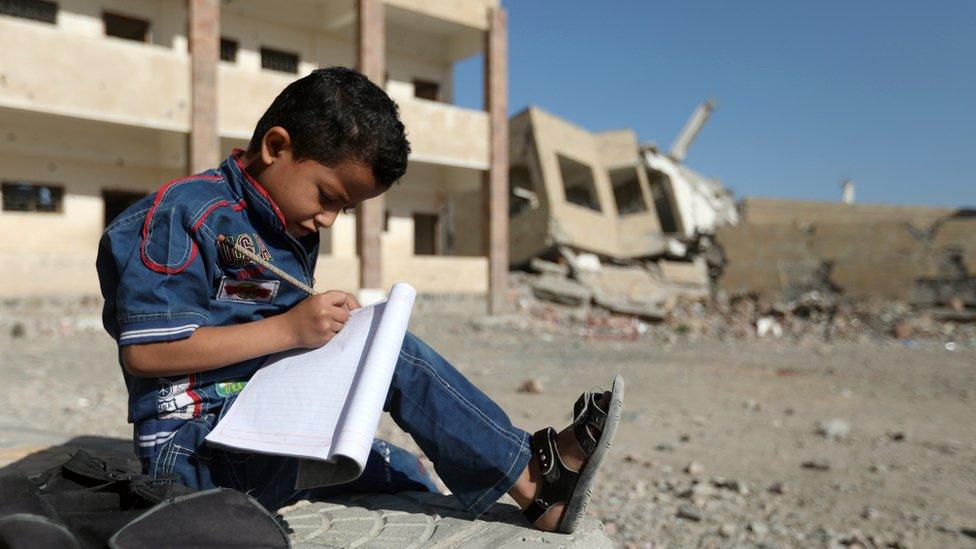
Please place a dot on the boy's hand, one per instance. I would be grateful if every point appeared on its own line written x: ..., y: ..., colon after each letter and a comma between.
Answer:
x: 318, y: 318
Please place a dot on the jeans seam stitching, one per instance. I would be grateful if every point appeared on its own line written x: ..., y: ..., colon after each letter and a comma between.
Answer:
x: 424, y: 365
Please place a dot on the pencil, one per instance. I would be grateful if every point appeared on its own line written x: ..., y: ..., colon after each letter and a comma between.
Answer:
x: 221, y: 239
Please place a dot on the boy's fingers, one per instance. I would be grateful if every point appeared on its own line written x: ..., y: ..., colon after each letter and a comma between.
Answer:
x: 335, y: 297
x: 339, y: 315
x: 337, y: 326
x: 352, y: 302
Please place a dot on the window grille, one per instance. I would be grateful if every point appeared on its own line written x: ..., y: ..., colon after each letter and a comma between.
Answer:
x: 23, y: 196
x: 278, y: 60
x: 35, y: 10
x: 125, y: 27
x: 228, y: 50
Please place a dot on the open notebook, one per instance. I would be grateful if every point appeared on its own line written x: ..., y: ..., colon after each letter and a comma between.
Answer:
x: 323, y: 404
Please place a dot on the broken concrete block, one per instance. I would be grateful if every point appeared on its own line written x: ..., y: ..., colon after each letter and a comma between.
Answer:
x: 629, y: 290
x: 643, y: 310
x: 548, y: 267
x: 560, y: 290
x: 683, y: 272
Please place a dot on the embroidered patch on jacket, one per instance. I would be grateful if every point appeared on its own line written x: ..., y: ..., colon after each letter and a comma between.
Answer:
x: 250, y: 242
x: 247, y: 291
x: 228, y: 388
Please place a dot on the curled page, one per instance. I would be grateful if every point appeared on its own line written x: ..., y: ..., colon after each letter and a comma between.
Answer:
x: 361, y: 415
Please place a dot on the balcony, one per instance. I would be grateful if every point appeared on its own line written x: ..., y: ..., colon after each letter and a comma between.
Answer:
x: 445, y: 134
x: 45, y: 69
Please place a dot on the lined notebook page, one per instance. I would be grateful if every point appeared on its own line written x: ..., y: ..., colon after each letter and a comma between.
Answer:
x: 295, y: 405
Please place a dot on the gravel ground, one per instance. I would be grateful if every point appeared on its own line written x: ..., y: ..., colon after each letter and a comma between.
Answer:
x: 723, y: 444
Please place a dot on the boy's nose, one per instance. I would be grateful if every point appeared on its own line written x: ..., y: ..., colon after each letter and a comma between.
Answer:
x: 325, y: 219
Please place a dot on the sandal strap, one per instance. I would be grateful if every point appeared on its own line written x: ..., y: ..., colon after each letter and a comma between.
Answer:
x: 558, y: 481
x: 587, y: 413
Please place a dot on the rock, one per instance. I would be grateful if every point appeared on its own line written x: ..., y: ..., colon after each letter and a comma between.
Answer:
x: 758, y: 528
x: 902, y: 330
x: 835, y: 429
x: 879, y: 468
x: 540, y: 265
x: 869, y: 513
x: 897, y: 436
x: 689, y: 512
x: 560, y: 290
x: 816, y: 464
x: 694, y: 468
x: 752, y: 405
x: 727, y: 530
x: 971, y: 532
x: 531, y: 385
x: 768, y: 325
x: 18, y: 330
x: 778, y: 488
x: 633, y: 458
x: 610, y: 529
x: 734, y: 485
x: 664, y: 447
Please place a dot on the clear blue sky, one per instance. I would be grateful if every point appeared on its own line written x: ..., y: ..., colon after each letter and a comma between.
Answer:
x: 810, y: 93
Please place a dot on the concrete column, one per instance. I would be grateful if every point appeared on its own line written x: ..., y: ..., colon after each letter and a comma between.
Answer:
x: 496, y: 180
x: 371, y: 46
x: 204, y: 36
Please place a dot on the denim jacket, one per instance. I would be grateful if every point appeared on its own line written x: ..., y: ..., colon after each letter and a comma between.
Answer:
x: 163, y: 275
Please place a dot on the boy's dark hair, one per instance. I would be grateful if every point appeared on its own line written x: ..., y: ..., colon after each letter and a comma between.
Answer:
x: 336, y: 114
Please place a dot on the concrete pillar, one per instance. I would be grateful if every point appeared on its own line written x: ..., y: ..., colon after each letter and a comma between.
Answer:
x: 204, y: 33
x: 371, y: 46
x: 496, y: 181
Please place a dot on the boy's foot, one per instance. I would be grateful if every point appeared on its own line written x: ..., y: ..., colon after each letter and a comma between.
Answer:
x: 563, y: 472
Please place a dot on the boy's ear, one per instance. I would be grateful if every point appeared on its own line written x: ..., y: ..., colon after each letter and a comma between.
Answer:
x: 275, y: 142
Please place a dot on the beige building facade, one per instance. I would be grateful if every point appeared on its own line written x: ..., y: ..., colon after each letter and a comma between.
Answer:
x: 104, y: 101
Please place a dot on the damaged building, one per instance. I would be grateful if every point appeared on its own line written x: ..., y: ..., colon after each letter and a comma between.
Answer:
x: 628, y: 221
x: 784, y: 248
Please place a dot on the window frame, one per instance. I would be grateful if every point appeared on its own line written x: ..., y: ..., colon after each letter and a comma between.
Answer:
x: 265, y: 50
x: 30, y: 11
x: 35, y: 186
x: 123, y: 18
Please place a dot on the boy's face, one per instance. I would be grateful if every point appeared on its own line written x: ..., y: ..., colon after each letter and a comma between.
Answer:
x: 311, y: 195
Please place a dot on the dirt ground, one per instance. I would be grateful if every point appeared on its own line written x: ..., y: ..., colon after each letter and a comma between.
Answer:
x: 719, y: 445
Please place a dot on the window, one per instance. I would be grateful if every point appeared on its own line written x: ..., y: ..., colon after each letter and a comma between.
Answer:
x: 626, y: 191
x: 228, y: 50
x: 661, y: 194
x: 36, y: 10
x: 126, y: 28
x: 578, y: 183
x: 425, y: 229
x: 277, y: 60
x: 116, y: 202
x: 23, y: 196
x: 425, y: 89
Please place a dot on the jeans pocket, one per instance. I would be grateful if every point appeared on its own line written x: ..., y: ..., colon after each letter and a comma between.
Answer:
x: 186, y: 454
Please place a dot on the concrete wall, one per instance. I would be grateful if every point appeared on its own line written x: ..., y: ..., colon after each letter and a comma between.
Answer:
x: 769, y: 211
x: 892, y: 260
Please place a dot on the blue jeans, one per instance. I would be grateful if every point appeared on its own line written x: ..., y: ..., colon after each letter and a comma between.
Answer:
x: 474, y: 447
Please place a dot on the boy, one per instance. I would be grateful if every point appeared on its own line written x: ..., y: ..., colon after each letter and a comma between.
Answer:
x: 194, y: 319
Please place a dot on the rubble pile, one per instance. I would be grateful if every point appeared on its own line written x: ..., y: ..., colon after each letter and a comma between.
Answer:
x: 630, y: 302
